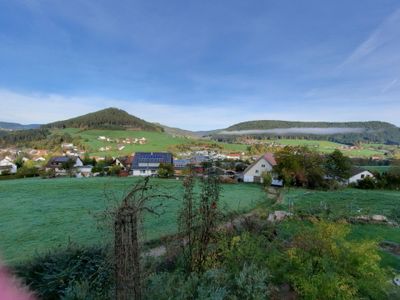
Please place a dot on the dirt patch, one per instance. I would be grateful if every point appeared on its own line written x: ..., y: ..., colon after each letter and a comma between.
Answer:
x: 391, y: 247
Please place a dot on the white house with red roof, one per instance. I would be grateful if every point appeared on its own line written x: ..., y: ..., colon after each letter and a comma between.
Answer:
x: 265, y: 163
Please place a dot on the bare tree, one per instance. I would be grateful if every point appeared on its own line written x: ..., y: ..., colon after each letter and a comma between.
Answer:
x: 127, y: 219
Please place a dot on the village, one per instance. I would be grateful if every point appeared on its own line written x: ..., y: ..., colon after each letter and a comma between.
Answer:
x: 230, y: 167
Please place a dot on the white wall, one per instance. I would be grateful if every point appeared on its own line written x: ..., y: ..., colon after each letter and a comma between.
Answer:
x: 257, y: 169
x: 145, y: 173
x: 360, y: 176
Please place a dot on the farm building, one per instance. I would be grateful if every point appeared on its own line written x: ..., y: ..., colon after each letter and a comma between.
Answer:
x: 147, y: 163
x: 7, y: 166
x: 264, y: 163
x: 358, y: 175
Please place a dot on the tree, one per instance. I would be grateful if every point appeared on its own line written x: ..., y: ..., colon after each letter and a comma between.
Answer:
x: 299, y: 166
x: 127, y: 219
x: 266, y: 178
x: 165, y: 170
x: 337, y: 166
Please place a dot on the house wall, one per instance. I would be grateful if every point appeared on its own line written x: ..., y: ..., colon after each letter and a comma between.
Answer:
x: 255, y: 171
x: 78, y: 163
x: 143, y: 172
x: 12, y: 168
x: 360, y: 176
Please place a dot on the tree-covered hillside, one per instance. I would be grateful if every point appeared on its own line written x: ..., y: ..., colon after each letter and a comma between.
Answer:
x: 110, y: 118
x: 340, y: 132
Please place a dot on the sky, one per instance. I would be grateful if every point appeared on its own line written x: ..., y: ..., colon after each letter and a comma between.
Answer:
x: 201, y: 65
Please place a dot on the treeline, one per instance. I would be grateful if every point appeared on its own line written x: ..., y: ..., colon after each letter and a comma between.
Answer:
x: 110, y: 118
x: 273, y: 124
x: 23, y: 136
x: 375, y: 132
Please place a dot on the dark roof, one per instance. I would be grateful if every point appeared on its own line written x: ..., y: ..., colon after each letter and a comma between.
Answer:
x: 181, y: 163
x: 59, y: 160
x: 150, y: 160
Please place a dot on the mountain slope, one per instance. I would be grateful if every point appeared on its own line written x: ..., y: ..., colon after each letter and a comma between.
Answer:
x: 17, y: 126
x: 341, y: 132
x: 110, y: 118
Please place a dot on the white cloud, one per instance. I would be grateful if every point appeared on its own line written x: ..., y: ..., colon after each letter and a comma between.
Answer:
x: 43, y: 108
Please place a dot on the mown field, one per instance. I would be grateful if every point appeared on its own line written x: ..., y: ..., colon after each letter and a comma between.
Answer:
x: 366, y: 150
x: 156, y: 141
x: 40, y: 214
x: 352, y: 202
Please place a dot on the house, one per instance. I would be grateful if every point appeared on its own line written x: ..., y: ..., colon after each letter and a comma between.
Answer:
x: 147, y: 163
x: 233, y: 156
x: 57, y: 163
x: 359, y: 174
x: 125, y: 162
x: 7, y: 167
x: 84, y: 171
x: 180, y: 165
x: 264, y: 163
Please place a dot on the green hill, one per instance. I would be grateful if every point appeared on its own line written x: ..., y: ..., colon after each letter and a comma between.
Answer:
x: 110, y: 118
x: 340, y: 132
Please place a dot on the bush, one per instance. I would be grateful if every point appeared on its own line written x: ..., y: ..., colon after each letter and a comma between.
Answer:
x: 68, y: 272
x: 249, y: 283
x: 320, y: 263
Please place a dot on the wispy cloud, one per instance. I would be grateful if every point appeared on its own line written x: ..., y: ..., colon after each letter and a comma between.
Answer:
x: 386, y: 32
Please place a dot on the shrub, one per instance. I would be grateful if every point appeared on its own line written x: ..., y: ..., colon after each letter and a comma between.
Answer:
x: 320, y: 263
x: 68, y: 272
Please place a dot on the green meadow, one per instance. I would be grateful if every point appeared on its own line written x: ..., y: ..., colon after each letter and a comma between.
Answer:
x: 40, y: 214
x: 156, y: 141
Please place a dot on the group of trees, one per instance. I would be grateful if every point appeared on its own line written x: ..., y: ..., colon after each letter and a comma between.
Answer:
x: 302, y: 167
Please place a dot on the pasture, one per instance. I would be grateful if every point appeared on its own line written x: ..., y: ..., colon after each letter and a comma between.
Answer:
x: 364, y: 150
x: 40, y: 214
x: 156, y: 141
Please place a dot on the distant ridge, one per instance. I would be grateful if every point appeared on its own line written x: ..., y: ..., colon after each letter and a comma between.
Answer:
x: 17, y: 126
x: 109, y: 118
x: 341, y: 132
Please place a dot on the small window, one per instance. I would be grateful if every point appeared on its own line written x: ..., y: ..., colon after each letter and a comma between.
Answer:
x: 362, y: 175
x: 262, y: 166
x: 256, y: 171
x: 142, y: 171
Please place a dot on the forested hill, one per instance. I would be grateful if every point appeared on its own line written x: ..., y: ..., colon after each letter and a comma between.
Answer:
x: 110, y: 118
x: 341, y: 132
x: 274, y: 124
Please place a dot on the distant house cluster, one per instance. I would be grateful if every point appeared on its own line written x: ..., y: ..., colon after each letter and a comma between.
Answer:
x: 121, y: 143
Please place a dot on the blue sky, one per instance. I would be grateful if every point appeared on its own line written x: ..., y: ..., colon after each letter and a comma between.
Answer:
x: 201, y: 64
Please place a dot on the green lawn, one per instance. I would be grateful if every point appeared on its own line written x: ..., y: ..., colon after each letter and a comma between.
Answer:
x: 156, y: 141
x: 39, y: 214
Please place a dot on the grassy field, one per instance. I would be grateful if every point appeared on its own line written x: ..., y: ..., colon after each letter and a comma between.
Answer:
x: 38, y: 214
x: 349, y: 202
x: 346, y: 201
x: 366, y: 150
x: 156, y: 141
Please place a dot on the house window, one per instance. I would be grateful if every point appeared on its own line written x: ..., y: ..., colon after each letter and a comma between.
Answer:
x: 256, y: 171
x: 362, y: 175
x: 143, y: 171
x: 262, y: 166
